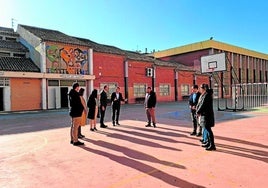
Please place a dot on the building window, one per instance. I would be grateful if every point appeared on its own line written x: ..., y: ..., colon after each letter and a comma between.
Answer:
x: 185, y: 90
x: 111, y: 86
x: 139, y: 90
x: 164, y: 89
x: 4, y: 81
x: 4, y: 54
x: 53, y: 82
x: 69, y: 83
x: 11, y: 39
x: 19, y: 55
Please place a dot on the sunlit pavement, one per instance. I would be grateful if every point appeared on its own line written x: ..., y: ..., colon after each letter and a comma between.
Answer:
x: 36, y: 151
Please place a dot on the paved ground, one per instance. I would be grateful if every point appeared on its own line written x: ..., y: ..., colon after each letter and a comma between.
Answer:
x: 35, y: 151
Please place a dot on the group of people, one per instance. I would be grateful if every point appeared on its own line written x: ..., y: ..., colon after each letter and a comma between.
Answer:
x: 78, y: 111
x: 94, y: 108
x: 200, y: 103
x: 202, y: 114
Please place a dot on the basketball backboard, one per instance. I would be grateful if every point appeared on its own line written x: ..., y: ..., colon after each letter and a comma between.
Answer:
x: 213, y: 63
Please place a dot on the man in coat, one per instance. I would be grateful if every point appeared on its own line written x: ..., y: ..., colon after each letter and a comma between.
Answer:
x: 103, y: 105
x: 193, y: 100
x: 205, y: 113
x: 149, y: 103
x: 76, y: 113
x: 116, y: 99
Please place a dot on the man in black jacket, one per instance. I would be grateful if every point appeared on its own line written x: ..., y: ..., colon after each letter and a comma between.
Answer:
x: 150, y: 102
x: 76, y: 113
x: 193, y: 100
x: 205, y: 113
x: 103, y: 105
x: 116, y: 99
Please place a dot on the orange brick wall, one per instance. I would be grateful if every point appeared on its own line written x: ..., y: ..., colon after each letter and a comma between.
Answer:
x: 137, y: 74
x: 108, y: 68
x: 25, y: 94
x: 200, y: 79
x: 165, y: 75
x: 184, y: 78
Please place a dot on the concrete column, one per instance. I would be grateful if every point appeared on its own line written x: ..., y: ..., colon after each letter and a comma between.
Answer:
x: 43, y: 63
x: 90, y: 70
x: 43, y: 66
x: 44, y: 93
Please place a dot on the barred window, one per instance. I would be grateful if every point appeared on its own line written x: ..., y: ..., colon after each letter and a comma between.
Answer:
x: 164, y: 89
x: 4, y: 81
x: 185, y: 90
x: 139, y: 90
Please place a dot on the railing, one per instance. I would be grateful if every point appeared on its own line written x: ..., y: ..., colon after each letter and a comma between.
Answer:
x: 245, y: 97
x: 255, y: 95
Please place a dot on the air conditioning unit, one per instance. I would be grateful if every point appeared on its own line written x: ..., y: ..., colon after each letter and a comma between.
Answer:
x: 149, y: 72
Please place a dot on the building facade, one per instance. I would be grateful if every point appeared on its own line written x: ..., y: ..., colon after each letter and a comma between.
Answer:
x: 242, y: 65
x: 20, y: 78
x: 62, y: 61
x: 55, y: 60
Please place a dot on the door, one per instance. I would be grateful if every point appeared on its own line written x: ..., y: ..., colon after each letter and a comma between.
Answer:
x: 64, y: 97
x: 1, y: 99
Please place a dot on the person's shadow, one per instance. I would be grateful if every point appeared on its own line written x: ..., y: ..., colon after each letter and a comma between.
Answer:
x: 144, y: 168
x: 132, y: 153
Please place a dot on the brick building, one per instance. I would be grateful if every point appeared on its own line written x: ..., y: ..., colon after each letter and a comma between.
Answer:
x: 243, y: 66
x: 20, y: 78
x: 133, y: 72
x: 55, y: 60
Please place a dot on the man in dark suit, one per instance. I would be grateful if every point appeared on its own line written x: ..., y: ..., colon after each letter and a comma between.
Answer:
x: 150, y: 102
x: 76, y: 111
x: 193, y: 100
x: 103, y: 105
x: 116, y: 99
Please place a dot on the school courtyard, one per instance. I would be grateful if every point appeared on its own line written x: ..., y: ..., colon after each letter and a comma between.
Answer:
x: 36, y: 151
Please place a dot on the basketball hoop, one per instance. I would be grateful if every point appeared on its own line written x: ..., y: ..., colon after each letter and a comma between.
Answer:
x: 211, y: 70
x: 213, y: 63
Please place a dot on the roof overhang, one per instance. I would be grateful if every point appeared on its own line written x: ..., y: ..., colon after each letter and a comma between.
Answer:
x: 209, y: 44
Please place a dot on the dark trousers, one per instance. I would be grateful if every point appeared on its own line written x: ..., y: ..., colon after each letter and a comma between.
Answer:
x: 115, y: 113
x: 195, y: 124
x: 210, y: 136
x: 102, y: 114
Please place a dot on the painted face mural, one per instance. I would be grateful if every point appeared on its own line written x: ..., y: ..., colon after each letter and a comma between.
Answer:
x: 67, y: 60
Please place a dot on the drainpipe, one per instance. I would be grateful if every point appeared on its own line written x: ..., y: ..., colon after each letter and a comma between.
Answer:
x: 176, y: 85
x: 153, y: 79
x: 126, y: 81
x: 194, y: 79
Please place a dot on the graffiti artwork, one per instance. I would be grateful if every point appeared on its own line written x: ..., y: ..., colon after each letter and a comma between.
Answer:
x: 66, y: 60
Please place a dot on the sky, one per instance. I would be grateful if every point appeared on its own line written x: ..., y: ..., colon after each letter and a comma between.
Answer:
x: 137, y: 25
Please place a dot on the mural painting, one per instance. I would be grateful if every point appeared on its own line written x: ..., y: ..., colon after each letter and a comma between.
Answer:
x: 66, y: 60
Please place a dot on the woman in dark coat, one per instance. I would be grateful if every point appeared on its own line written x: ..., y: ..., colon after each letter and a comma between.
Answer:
x: 205, y: 113
x: 93, y: 106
